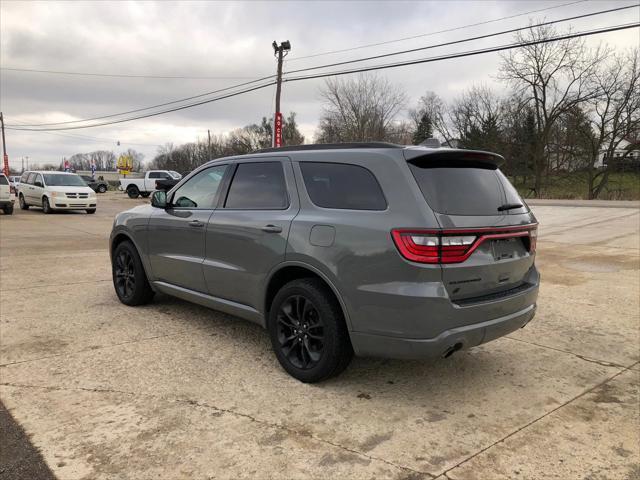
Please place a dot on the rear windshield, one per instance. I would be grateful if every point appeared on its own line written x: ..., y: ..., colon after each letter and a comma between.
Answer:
x: 462, y: 189
x: 3, y: 180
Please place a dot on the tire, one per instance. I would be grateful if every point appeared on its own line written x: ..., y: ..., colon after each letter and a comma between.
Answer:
x: 145, y: 194
x: 330, y: 344
x: 133, y: 192
x: 91, y: 210
x: 46, y: 207
x: 129, y: 279
x: 8, y: 209
x: 23, y: 204
x: 102, y: 189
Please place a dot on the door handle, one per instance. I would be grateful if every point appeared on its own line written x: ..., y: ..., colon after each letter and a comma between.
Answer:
x: 196, y: 223
x: 272, y: 229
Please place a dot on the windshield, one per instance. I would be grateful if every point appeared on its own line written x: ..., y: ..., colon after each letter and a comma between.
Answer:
x: 63, y: 180
x: 461, y: 189
x: 175, y: 175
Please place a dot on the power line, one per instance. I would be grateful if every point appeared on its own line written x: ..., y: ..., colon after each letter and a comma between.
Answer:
x: 467, y: 53
x: 123, y: 75
x: 152, y: 106
x: 413, y: 37
x: 464, y: 40
x: 365, y: 69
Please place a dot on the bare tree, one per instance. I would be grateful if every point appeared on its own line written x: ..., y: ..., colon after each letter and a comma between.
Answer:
x: 477, y: 119
x: 615, y: 116
x: 433, y: 107
x: 554, y: 77
x: 359, y: 109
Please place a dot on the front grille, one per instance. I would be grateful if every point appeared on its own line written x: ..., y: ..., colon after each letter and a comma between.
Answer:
x: 77, y: 195
x: 78, y: 205
x: 495, y: 296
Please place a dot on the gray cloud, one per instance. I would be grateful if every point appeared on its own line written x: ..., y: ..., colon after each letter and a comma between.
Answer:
x: 230, y: 39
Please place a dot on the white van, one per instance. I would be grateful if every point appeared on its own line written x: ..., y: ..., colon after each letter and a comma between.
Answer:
x: 55, y: 191
x: 6, y: 202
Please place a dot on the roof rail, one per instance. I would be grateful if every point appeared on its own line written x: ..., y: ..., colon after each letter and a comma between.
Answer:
x: 330, y: 146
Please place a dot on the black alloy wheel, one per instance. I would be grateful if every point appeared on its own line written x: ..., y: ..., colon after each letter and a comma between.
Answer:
x: 308, y: 331
x: 125, y: 279
x: 300, y: 332
x: 129, y: 278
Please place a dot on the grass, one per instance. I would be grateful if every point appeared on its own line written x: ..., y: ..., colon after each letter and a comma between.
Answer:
x: 574, y: 185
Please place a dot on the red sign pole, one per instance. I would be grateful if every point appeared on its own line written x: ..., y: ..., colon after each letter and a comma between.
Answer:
x: 278, y: 130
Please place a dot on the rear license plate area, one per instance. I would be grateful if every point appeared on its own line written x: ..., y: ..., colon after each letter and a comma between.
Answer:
x: 504, y: 249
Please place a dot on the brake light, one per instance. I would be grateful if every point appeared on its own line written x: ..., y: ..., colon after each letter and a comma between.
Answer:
x: 533, y: 239
x: 453, y: 246
x: 12, y: 189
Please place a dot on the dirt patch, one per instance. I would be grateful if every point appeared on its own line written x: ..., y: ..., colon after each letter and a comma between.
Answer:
x: 343, y: 457
x: 375, y: 440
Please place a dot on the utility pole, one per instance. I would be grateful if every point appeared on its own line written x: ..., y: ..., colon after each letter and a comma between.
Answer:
x: 4, y: 148
x: 279, y: 52
x: 209, y: 147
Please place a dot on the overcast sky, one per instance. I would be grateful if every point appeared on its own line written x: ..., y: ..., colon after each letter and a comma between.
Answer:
x: 231, y: 41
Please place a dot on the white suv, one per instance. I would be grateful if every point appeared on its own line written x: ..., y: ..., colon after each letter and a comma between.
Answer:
x: 6, y: 202
x: 55, y: 191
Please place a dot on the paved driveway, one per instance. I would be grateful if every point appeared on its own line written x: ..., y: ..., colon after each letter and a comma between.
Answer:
x: 172, y: 390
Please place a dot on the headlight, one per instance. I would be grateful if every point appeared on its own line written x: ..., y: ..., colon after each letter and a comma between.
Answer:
x: 54, y: 194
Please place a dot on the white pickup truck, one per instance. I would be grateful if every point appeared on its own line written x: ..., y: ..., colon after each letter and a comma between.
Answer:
x: 145, y: 186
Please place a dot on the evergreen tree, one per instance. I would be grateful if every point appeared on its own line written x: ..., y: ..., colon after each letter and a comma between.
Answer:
x: 424, y: 129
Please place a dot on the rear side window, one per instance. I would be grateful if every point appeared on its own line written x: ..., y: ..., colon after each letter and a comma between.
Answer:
x: 462, y: 189
x: 31, y: 178
x: 342, y: 186
x: 3, y: 180
x: 258, y: 186
x: 24, y: 177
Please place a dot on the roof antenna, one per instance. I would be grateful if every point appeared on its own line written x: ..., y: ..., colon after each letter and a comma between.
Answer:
x: 431, y: 143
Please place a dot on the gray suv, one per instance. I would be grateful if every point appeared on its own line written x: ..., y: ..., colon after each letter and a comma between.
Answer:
x: 373, y: 249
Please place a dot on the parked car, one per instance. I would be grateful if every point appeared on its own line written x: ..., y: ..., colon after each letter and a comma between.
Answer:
x: 6, y: 201
x: 377, y: 249
x: 14, y: 180
x: 55, y: 191
x: 99, y: 186
x: 144, y: 186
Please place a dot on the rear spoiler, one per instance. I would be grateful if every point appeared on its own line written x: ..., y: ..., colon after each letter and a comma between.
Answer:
x: 443, y: 156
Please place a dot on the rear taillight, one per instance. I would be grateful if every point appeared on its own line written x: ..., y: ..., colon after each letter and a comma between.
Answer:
x: 533, y: 239
x: 12, y: 189
x: 453, y: 246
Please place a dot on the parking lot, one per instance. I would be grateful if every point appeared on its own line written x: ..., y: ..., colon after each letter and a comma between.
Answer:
x: 173, y: 390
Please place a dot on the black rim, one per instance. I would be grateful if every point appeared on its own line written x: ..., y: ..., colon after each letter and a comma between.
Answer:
x: 125, y: 276
x: 300, y: 332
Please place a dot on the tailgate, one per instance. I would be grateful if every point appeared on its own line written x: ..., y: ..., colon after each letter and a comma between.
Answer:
x: 486, y: 243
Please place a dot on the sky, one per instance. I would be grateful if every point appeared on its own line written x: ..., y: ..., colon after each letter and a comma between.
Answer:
x: 231, y: 42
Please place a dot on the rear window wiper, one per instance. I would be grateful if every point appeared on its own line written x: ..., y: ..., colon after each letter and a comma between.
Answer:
x: 509, y: 206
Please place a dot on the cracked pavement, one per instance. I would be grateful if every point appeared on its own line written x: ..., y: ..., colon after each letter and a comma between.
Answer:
x: 173, y: 390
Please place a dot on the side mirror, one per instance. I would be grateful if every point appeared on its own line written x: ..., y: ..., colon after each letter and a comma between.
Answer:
x: 159, y: 199
x: 39, y: 184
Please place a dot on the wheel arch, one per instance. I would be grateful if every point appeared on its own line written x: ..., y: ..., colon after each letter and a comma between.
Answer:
x: 122, y: 236
x: 289, y: 271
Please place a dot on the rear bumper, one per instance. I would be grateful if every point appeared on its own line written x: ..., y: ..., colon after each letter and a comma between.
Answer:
x: 4, y: 203
x: 370, y: 345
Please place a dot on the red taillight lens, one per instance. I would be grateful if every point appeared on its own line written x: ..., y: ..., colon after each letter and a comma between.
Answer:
x: 533, y: 239
x: 12, y: 189
x: 453, y: 246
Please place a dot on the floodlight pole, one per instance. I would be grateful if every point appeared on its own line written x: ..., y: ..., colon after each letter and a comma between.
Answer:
x: 5, y: 158
x: 279, y: 51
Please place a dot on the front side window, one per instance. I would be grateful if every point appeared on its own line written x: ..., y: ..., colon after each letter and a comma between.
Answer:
x: 201, y: 190
x: 258, y: 186
x: 342, y: 186
x: 38, y: 179
x: 63, y: 180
